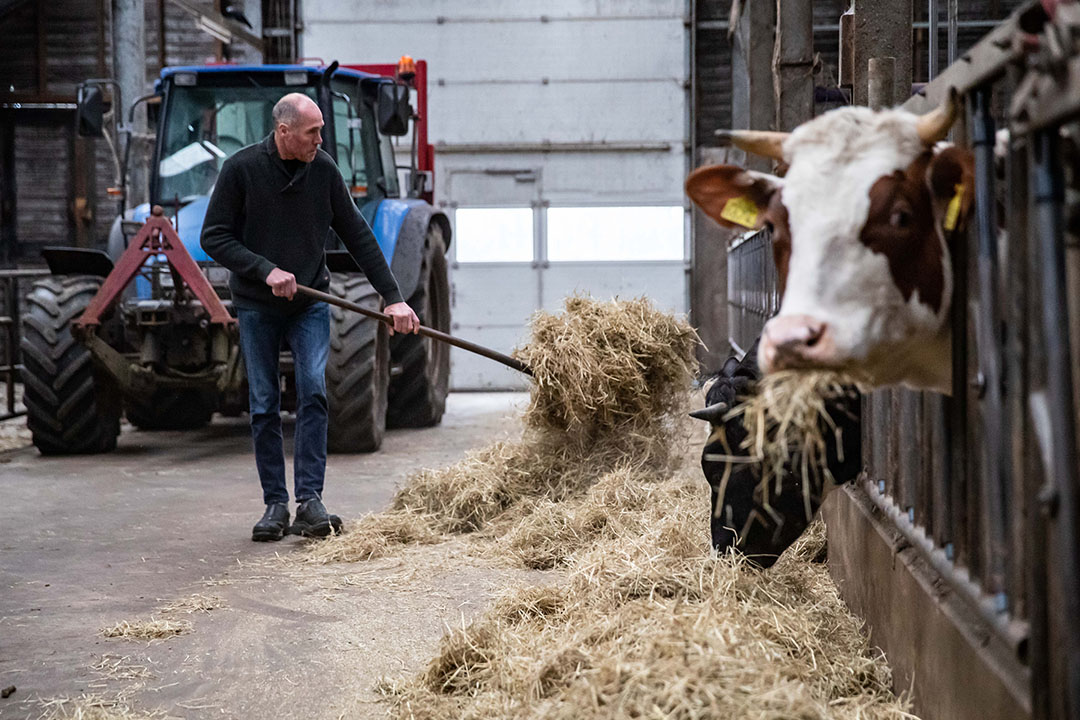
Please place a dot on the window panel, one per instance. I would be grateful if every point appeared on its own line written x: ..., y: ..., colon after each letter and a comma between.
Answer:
x: 615, y: 233
x: 493, y: 234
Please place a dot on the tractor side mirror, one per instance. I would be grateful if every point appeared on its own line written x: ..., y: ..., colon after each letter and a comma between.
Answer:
x: 392, y: 109
x: 90, y: 111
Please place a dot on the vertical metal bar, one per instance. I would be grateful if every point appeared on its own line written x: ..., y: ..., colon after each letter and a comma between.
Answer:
x: 42, y: 45
x: 1049, y: 197
x: 162, y: 56
x: 953, y: 12
x: 9, y: 245
x: 1032, y: 470
x: 988, y: 333
x: 12, y: 340
x: 932, y: 34
x: 99, y: 17
x: 956, y: 408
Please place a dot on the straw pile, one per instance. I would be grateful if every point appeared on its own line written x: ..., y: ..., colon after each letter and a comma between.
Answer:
x: 152, y: 629
x: 790, y: 424
x: 609, y: 377
x: 92, y: 707
x: 643, y: 618
x: 655, y: 625
x: 196, y: 603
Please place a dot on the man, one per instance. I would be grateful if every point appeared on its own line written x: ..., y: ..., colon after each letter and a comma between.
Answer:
x: 267, y: 222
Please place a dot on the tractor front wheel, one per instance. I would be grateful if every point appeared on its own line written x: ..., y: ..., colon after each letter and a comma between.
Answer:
x: 358, y: 369
x: 71, y: 407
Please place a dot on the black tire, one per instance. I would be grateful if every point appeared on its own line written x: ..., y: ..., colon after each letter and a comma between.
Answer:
x: 71, y: 407
x: 357, y: 370
x: 171, y: 410
x: 418, y: 390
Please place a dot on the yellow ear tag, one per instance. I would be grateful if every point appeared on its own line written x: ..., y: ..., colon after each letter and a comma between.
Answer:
x: 952, y: 212
x: 741, y: 210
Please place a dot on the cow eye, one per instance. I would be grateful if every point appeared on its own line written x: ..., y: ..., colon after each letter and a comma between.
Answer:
x: 900, y: 218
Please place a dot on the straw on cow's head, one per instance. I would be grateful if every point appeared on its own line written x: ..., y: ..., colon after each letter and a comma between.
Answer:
x: 862, y: 224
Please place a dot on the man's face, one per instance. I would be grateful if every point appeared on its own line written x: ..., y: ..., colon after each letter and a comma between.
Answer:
x: 301, y: 139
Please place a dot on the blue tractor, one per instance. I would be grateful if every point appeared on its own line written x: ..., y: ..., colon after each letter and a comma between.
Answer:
x: 95, y: 344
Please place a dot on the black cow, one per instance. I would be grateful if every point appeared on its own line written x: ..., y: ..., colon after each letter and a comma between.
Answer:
x: 761, y: 527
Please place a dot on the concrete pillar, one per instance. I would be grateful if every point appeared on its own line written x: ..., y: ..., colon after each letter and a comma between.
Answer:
x: 881, y: 90
x: 793, y: 63
x: 129, y: 67
x: 882, y: 29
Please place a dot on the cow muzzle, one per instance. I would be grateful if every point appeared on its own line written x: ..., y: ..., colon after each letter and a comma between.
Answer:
x: 796, y: 341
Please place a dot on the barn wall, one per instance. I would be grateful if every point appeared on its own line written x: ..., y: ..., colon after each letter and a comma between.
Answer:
x: 536, y: 104
x: 47, y: 50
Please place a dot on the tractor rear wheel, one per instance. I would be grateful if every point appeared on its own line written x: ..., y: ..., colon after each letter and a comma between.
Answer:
x: 171, y: 410
x: 418, y: 391
x: 71, y: 407
x: 357, y: 370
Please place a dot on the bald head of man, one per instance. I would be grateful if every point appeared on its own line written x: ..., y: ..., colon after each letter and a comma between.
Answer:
x: 298, y: 126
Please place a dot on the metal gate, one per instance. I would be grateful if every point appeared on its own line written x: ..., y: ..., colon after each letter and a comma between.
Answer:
x: 959, y: 543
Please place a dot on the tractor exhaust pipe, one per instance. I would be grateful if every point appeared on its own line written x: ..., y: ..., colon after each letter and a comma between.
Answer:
x: 498, y: 357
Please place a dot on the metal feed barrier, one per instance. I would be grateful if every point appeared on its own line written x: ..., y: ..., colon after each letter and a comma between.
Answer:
x: 960, y: 543
x: 12, y: 288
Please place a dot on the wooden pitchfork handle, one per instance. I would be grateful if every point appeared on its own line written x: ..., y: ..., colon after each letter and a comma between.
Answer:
x: 498, y: 357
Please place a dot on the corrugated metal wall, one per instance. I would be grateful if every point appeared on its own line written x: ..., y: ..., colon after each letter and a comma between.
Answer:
x: 536, y: 105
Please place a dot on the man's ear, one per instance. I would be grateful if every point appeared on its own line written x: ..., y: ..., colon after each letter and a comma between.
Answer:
x: 951, y: 180
x: 731, y: 196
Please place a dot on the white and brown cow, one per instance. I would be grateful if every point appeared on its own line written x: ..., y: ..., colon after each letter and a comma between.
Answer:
x: 861, y: 223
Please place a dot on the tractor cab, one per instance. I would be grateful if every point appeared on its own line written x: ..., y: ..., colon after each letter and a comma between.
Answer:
x: 209, y: 113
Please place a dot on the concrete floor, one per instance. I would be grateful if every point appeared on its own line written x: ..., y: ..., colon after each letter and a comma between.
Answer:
x: 91, y: 541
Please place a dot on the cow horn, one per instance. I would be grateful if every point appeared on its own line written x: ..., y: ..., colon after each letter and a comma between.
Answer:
x: 760, y: 142
x: 712, y: 413
x: 934, y: 125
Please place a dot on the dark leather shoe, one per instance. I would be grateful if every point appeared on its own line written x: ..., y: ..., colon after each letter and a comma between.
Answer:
x: 312, y: 520
x: 273, y: 523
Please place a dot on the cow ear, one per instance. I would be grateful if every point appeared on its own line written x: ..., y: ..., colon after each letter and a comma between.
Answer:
x: 731, y: 196
x: 951, y: 179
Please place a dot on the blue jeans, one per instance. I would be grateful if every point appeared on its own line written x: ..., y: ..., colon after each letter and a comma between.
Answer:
x: 308, y: 336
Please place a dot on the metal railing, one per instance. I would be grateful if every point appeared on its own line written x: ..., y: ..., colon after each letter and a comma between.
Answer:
x: 752, y: 297
x: 983, y: 485
x: 11, y: 294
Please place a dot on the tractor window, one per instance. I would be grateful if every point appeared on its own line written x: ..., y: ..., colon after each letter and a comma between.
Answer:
x: 386, y: 149
x: 202, y: 127
x: 348, y: 128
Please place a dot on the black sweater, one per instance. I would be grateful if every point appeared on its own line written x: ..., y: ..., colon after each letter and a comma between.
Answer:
x: 261, y: 216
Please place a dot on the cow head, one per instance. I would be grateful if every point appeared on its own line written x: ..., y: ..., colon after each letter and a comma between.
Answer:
x: 861, y: 228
